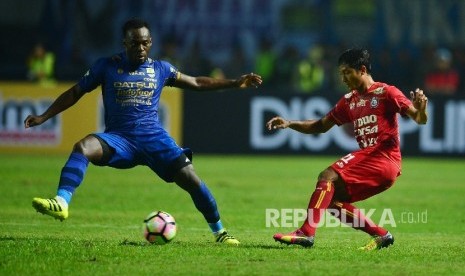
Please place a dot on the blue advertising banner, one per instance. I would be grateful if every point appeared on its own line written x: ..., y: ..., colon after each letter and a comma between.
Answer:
x: 233, y: 122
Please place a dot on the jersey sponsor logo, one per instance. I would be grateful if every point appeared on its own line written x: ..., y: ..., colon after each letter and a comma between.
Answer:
x: 362, y: 102
x: 134, y: 93
x: 378, y: 91
x: 137, y: 73
x: 135, y: 84
x: 369, y: 119
x: 368, y: 142
x: 366, y: 130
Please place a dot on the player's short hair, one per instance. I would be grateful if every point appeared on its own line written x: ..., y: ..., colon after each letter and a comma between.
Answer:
x: 134, y: 23
x: 355, y: 58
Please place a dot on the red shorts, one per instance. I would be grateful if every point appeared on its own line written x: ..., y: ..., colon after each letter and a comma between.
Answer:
x: 366, y: 173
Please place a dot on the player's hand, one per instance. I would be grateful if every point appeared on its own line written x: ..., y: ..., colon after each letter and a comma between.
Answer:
x: 419, y: 99
x: 249, y: 80
x: 33, y: 120
x: 277, y: 123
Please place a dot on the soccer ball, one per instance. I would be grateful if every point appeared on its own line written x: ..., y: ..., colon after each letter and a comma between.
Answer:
x: 159, y: 227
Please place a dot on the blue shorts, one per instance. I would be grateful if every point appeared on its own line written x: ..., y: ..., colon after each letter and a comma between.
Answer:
x: 157, y: 151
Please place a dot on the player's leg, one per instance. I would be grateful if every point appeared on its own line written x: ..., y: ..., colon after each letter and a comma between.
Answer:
x: 319, y: 201
x: 187, y: 179
x: 91, y: 148
x: 364, y: 175
x: 352, y: 216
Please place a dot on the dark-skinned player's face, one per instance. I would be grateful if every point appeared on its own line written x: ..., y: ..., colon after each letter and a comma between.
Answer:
x: 137, y: 43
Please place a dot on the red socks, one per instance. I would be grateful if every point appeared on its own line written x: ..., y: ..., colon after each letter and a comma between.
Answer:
x: 352, y: 216
x: 319, y: 202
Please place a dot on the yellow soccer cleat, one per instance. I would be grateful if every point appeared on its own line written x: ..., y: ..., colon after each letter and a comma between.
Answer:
x: 51, y: 207
x: 224, y: 237
x: 378, y: 242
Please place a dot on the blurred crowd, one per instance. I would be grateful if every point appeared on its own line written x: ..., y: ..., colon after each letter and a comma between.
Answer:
x: 438, y: 70
x: 293, y: 45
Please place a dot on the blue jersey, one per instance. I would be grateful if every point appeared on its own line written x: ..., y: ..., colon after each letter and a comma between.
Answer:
x: 130, y: 94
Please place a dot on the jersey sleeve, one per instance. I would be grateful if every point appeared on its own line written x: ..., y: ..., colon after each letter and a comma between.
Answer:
x: 169, y: 72
x: 339, y: 113
x: 400, y: 103
x: 94, y: 76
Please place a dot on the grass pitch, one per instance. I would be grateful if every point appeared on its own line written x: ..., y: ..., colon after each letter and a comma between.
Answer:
x: 103, y: 234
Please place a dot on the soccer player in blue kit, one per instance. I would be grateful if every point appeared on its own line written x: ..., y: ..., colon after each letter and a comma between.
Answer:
x: 131, y: 84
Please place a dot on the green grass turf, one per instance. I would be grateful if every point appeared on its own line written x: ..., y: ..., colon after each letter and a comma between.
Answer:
x: 103, y: 236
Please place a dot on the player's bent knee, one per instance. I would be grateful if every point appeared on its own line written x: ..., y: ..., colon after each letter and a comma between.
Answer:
x: 90, y: 147
x: 328, y: 175
x: 186, y: 178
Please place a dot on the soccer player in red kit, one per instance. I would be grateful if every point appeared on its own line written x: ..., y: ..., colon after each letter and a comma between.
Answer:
x: 372, y: 108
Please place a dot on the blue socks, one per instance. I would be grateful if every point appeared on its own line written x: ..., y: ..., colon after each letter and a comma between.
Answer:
x: 72, y: 175
x: 216, y: 227
x: 206, y: 204
x: 73, y: 172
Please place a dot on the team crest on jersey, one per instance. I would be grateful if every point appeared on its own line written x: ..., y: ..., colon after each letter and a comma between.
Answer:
x: 374, y: 102
x: 120, y: 71
x: 151, y: 72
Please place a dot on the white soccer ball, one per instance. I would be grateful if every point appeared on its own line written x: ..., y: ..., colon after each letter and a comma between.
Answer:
x: 159, y: 227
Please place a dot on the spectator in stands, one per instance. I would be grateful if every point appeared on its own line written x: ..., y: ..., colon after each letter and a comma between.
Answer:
x: 443, y: 79
x: 458, y: 55
x: 285, y: 76
x: 41, y: 65
x: 265, y: 61
x: 311, y: 71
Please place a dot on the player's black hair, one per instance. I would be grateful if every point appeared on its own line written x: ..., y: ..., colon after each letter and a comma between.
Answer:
x: 134, y: 23
x: 355, y: 58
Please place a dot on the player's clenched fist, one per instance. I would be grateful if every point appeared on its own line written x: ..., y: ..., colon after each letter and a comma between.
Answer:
x: 277, y: 122
x: 33, y: 120
x: 419, y: 99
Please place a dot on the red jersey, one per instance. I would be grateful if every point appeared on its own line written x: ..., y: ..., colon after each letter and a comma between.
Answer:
x: 374, y: 117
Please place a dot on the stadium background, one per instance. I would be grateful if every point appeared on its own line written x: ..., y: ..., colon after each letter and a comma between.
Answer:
x: 226, y: 38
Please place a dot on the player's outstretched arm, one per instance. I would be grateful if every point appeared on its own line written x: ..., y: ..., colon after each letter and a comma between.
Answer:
x: 418, y: 111
x: 307, y: 126
x: 207, y: 83
x: 63, y: 102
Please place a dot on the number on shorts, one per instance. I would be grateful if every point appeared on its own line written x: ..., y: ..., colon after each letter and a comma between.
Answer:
x: 347, y: 158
